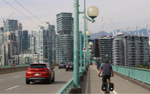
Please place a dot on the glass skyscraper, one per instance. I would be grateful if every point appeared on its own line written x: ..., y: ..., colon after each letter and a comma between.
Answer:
x: 11, y: 25
x: 65, y: 37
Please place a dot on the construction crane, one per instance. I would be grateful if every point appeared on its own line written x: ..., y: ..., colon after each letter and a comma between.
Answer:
x: 8, y: 17
x: 99, y: 31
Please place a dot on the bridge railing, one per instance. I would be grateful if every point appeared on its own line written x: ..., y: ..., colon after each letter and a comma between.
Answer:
x: 139, y: 74
x: 7, y: 66
x: 66, y: 87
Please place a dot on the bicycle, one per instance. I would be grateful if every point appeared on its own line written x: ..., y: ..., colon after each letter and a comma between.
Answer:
x: 107, y: 87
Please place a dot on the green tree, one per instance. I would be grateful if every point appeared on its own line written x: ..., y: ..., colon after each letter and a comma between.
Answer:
x: 145, y: 65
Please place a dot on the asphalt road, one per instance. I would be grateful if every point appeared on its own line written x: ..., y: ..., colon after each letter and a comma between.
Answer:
x: 15, y: 83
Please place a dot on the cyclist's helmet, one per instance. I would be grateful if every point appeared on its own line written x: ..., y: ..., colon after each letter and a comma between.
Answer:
x: 106, y: 61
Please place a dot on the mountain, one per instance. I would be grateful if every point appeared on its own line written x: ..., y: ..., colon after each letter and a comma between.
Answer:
x: 142, y: 32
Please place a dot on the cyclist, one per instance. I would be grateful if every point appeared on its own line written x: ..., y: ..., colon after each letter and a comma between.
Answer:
x: 107, y: 72
x: 98, y: 64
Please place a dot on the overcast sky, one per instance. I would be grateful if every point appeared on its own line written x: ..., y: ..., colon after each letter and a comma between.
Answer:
x: 123, y: 12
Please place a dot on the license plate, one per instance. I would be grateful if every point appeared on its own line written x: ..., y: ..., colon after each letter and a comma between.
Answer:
x: 37, y: 74
x: 70, y: 66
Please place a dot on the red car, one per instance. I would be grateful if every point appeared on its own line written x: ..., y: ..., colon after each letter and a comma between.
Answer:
x: 40, y: 71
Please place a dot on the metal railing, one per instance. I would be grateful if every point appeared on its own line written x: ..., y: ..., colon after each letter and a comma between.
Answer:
x: 7, y: 66
x: 139, y: 74
x: 66, y: 87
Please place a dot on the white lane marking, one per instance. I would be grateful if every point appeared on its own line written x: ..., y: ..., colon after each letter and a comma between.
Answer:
x: 16, y: 76
x: 113, y: 90
x: 12, y: 87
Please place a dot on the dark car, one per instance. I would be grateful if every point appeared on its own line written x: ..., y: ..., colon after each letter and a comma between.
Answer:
x: 40, y: 71
x: 69, y: 65
x: 62, y: 65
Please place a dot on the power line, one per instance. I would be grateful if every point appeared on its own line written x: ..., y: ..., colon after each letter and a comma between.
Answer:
x: 21, y: 12
x: 28, y: 11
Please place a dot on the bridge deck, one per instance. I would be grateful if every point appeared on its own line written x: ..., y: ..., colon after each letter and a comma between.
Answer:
x: 92, y: 84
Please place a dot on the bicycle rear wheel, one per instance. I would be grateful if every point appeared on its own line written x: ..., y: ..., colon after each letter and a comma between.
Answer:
x: 107, y: 89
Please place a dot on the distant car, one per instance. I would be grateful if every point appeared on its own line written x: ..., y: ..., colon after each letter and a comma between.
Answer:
x: 69, y: 65
x: 40, y: 71
x: 62, y: 65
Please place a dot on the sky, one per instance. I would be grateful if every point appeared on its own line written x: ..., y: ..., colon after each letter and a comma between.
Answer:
x: 125, y: 13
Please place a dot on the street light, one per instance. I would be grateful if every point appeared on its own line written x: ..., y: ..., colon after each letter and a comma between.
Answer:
x: 89, y: 47
x: 90, y: 51
x: 90, y: 43
x: 21, y: 49
x: 88, y: 33
x: 106, y: 57
x: 76, y: 37
x: 93, y: 12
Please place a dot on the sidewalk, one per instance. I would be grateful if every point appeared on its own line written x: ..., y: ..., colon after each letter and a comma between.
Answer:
x: 92, y: 84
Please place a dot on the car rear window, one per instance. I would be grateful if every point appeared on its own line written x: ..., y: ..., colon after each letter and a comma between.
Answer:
x: 38, y: 66
x: 62, y: 63
x: 70, y: 63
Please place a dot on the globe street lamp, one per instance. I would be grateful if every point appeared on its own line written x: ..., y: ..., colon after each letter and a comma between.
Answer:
x: 90, y: 43
x: 88, y: 33
x: 93, y: 12
x: 90, y: 51
x: 76, y: 38
x: 106, y: 57
x: 89, y: 47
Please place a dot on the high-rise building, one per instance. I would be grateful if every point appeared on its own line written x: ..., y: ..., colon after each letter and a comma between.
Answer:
x: 1, y: 32
x: 20, y: 26
x: 65, y: 37
x: 96, y: 52
x: 11, y: 25
x: 29, y: 41
x: 25, y: 39
x: 129, y: 50
x: 22, y: 41
x: 105, y: 49
x: 42, y: 42
x: 11, y: 48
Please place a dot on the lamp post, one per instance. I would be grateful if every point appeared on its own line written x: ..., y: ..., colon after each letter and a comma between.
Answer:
x: 89, y: 47
x: 81, y: 72
x: 21, y: 50
x: 92, y: 13
x: 3, y: 49
x: 106, y: 57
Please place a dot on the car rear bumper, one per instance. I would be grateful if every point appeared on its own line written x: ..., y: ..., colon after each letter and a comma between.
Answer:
x: 37, y: 78
x: 62, y: 66
x: 69, y: 68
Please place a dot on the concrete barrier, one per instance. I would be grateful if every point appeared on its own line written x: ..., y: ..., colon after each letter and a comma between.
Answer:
x: 16, y: 69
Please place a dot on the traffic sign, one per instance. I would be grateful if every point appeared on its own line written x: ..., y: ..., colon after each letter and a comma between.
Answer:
x: 84, y: 49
